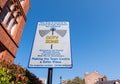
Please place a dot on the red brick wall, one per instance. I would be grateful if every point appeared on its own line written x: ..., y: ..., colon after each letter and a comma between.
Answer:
x: 19, y: 30
x: 92, y: 78
x: 2, y: 3
x: 8, y: 41
x: 26, y: 6
x: 5, y: 55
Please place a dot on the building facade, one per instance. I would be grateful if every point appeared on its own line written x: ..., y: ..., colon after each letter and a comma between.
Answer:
x: 109, y: 82
x: 94, y: 77
x: 12, y: 21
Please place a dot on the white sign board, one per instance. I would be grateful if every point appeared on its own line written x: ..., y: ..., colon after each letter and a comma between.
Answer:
x: 51, y: 46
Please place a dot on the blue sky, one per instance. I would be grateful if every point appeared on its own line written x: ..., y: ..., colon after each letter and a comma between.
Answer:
x: 95, y: 36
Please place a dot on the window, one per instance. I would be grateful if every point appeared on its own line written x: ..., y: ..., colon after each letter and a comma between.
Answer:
x: 10, y: 15
x: 116, y: 82
x: 13, y: 27
x: 21, y: 1
x: 10, y: 18
x: 5, y: 11
x: 13, y: 24
x: 17, y: 18
x: 9, y: 4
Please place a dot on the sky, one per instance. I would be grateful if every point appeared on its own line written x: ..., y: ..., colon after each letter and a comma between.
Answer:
x: 94, y: 35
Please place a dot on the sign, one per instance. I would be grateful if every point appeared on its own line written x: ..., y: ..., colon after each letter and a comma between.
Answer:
x: 51, y: 46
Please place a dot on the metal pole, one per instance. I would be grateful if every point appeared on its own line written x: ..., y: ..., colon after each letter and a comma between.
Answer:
x: 49, y: 80
x: 50, y: 70
x: 60, y: 79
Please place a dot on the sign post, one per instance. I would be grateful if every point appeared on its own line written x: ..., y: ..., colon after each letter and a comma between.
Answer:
x: 51, y: 48
x: 49, y: 79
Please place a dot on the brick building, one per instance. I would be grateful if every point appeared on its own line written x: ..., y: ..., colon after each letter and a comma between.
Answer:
x: 94, y: 77
x: 109, y: 82
x: 12, y: 21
